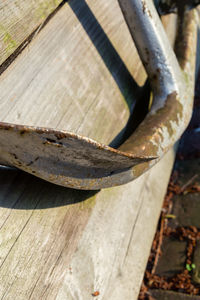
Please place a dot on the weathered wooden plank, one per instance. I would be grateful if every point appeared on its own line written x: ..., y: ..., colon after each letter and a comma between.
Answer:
x: 72, y: 69
x: 58, y: 243
x: 112, y: 254
x: 27, y: 223
x: 18, y: 19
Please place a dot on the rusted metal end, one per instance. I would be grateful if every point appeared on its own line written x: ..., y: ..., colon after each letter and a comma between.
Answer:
x: 65, y: 158
x: 70, y: 160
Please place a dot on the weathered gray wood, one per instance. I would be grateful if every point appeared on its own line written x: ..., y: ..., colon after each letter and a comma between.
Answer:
x: 112, y: 253
x: 27, y: 206
x: 18, y: 19
x: 73, y: 80
x: 57, y: 243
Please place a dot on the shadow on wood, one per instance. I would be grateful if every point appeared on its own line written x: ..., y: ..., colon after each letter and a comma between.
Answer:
x: 20, y: 190
x: 110, y: 56
x: 126, y: 83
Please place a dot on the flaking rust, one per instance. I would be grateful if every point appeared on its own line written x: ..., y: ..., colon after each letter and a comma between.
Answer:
x: 70, y: 160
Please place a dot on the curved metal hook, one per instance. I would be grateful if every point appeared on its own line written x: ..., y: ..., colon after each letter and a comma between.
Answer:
x: 70, y: 160
x: 166, y: 120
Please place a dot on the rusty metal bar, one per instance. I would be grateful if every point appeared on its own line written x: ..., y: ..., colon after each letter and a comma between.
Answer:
x: 70, y: 160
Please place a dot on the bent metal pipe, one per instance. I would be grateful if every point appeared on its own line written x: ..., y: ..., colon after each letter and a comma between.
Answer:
x: 74, y: 161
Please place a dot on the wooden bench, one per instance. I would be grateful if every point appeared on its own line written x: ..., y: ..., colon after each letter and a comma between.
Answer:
x: 72, y: 65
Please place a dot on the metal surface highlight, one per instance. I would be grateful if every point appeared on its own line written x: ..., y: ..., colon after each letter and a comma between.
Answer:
x: 78, y: 162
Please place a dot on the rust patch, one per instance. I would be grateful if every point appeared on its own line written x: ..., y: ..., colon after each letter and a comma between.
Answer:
x: 140, y: 169
x: 145, y: 9
x: 148, y: 136
x: 60, y: 136
x: 95, y: 294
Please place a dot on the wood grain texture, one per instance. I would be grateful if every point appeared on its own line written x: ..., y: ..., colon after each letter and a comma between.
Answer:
x: 112, y: 253
x: 57, y: 243
x: 76, y: 75
x: 18, y: 19
x: 27, y: 206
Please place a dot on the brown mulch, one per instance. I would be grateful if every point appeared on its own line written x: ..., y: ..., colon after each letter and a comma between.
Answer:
x: 181, y: 282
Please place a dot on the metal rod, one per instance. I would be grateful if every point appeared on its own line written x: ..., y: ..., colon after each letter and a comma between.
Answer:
x: 154, y: 48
